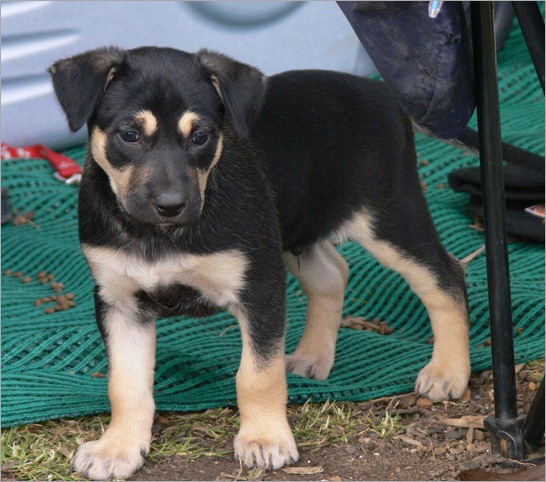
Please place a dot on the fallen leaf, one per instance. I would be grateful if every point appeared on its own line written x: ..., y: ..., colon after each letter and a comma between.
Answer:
x: 303, y: 470
x: 468, y: 421
x: 408, y: 440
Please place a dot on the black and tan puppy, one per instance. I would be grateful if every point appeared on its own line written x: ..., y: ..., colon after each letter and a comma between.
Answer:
x: 202, y: 177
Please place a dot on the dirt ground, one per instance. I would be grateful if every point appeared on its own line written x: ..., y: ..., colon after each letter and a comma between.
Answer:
x: 418, y: 440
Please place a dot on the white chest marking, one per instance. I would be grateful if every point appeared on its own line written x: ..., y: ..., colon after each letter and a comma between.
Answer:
x: 219, y: 276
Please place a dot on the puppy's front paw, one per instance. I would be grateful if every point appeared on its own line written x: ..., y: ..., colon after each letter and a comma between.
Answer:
x: 310, y: 365
x: 270, y: 452
x: 442, y: 382
x: 105, y: 459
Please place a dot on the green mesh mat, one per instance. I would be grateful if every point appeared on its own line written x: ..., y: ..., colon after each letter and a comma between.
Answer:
x: 51, y: 361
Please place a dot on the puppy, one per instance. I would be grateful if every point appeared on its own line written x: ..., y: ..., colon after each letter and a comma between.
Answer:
x: 202, y: 177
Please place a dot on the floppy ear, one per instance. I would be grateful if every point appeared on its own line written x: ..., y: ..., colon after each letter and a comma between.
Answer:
x: 79, y: 82
x: 241, y: 87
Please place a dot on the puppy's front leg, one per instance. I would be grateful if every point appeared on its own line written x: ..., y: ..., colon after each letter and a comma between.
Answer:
x: 265, y: 438
x: 130, y: 343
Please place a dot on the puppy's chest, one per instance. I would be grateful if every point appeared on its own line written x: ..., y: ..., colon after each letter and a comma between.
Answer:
x: 217, y: 277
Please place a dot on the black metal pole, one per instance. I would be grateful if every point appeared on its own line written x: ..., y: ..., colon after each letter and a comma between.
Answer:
x: 532, y: 430
x: 498, y: 276
x: 532, y: 26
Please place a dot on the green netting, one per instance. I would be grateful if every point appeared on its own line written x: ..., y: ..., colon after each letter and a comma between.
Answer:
x: 50, y: 361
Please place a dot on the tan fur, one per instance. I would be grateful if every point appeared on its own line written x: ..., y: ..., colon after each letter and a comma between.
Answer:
x: 216, y: 84
x: 449, y: 369
x: 120, y: 180
x: 203, y: 174
x: 322, y: 273
x: 131, y: 348
x: 187, y: 122
x: 148, y: 122
x: 265, y: 438
x: 111, y: 74
x: 219, y: 276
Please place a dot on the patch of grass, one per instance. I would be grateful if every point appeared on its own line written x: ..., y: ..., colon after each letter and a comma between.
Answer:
x: 316, y: 425
x: 386, y: 426
x: 43, y: 451
x: 193, y: 435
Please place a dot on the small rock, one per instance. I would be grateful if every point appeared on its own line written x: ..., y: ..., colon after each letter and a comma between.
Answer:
x: 365, y: 440
x: 424, y: 403
x: 351, y: 449
x: 440, y: 450
x: 533, y: 386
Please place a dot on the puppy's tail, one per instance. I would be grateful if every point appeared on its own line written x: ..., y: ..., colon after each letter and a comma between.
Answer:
x: 468, y: 140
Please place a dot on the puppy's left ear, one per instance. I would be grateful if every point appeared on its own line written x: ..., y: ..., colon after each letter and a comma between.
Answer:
x: 241, y: 87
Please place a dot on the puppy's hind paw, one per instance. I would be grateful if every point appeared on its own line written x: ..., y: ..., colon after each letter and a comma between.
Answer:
x: 317, y: 366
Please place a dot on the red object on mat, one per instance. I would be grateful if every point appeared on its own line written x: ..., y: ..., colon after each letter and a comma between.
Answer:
x: 66, y: 169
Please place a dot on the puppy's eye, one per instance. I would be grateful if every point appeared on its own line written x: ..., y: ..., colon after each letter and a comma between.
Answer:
x: 200, y: 138
x: 130, y: 136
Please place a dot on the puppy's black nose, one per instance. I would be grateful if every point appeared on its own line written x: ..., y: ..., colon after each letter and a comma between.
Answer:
x: 169, y: 204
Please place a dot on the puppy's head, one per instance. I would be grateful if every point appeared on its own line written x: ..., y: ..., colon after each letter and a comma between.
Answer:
x: 156, y: 119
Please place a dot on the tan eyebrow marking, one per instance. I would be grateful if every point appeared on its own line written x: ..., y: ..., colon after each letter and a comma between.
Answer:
x: 186, y: 123
x: 148, y: 121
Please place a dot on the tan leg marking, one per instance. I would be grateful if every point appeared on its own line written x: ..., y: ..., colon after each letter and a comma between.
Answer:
x: 447, y: 374
x: 131, y: 356
x: 322, y: 273
x: 186, y: 123
x: 120, y: 181
x: 148, y: 121
x: 265, y: 438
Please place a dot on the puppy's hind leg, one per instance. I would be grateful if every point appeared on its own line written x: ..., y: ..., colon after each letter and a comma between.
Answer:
x: 411, y: 247
x: 322, y: 273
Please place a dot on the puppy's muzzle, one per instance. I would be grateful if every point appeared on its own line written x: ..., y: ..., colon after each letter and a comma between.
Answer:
x: 170, y: 204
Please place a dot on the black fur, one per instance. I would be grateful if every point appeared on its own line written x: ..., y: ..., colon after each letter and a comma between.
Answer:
x: 296, y: 156
x: 333, y: 143
x: 168, y: 83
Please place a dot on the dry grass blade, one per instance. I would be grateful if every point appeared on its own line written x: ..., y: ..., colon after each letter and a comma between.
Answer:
x: 303, y: 470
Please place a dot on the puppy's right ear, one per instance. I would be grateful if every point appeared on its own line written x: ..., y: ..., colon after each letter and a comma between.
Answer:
x: 80, y: 81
